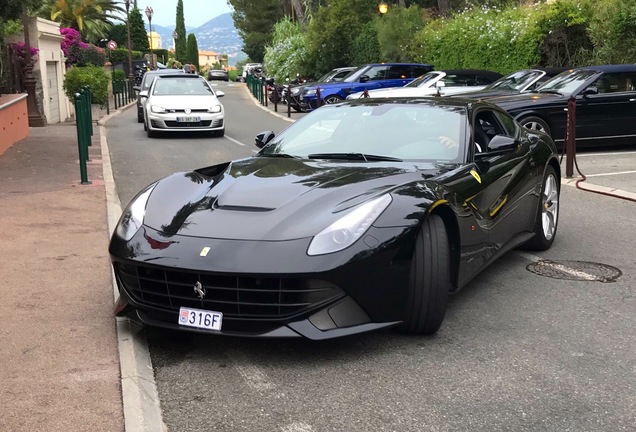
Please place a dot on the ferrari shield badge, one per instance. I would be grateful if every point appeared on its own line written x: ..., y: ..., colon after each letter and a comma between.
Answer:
x: 204, y: 251
x: 476, y: 175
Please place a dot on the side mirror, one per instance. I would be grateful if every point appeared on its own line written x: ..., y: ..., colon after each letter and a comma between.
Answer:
x: 591, y: 90
x: 364, y: 78
x: 219, y: 93
x: 143, y: 93
x: 263, y: 138
x: 501, y: 143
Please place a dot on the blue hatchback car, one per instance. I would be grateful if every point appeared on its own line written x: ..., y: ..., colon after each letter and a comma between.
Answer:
x: 367, y: 77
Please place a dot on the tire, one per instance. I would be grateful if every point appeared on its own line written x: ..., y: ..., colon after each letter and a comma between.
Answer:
x: 535, y: 124
x: 151, y: 133
x: 429, y: 282
x: 332, y: 99
x: 140, y: 117
x: 547, y: 218
x: 145, y: 126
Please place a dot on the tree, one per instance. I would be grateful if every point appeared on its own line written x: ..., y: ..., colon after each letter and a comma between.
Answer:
x: 92, y: 18
x: 180, y: 48
x: 118, y: 33
x: 138, y: 35
x: 255, y: 21
x: 192, y: 56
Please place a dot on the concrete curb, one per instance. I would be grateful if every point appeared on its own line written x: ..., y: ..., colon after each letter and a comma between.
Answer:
x: 142, y: 411
x: 258, y: 104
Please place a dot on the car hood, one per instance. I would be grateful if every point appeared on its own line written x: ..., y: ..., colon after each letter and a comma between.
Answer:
x: 527, y: 100
x: 273, y: 199
x: 183, y: 102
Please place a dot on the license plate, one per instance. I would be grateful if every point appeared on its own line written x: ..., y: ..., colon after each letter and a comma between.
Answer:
x: 200, y: 318
x: 188, y: 119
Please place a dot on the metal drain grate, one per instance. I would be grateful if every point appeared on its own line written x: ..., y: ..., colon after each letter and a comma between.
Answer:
x: 575, y: 270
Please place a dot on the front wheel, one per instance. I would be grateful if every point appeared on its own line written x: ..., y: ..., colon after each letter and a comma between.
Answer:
x: 545, y: 226
x: 429, y: 282
x: 535, y: 124
x: 333, y: 99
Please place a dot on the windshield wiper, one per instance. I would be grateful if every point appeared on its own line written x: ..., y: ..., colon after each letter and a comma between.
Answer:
x: 278, y: 155
x: 550, y: 91
x: 353, y: 156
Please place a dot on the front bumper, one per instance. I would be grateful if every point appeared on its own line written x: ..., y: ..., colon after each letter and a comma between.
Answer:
x: 170, y: 122
x: 264, y: 289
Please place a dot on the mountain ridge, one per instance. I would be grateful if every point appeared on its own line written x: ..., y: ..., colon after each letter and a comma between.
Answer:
x: 218, y: 35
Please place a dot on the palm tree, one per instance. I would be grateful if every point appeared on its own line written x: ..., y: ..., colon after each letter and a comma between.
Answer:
x: 92, y: 18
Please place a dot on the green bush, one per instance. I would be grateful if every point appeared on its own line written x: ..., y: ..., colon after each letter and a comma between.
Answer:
x: 287, y: 55
x: 120, y: 55
x: 365, y: 47
x: 79, y: 76
x: 163, y: 55
x: 91, y: 55
x: 612, y: 29
x: 232, y: 74
x: 396, y: 30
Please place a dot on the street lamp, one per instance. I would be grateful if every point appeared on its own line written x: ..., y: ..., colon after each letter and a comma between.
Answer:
x: 383, y: 8
x: 130, y: 71
x: 149, y: 13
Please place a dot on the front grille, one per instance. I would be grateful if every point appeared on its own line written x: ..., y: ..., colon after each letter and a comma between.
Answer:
x: 175, y: 124
x: 234, y: 296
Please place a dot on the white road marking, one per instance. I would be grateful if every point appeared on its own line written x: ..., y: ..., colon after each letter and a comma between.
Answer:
x: 605, y: 154
x: 610, y: 174
x: 235, y: 141
x: 253, y: 376
x: 297, y: 427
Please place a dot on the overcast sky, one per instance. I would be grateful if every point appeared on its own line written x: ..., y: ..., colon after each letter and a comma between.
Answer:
x: 195, y: 12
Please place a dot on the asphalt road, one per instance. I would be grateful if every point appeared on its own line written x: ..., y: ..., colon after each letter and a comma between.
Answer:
x: 517, y: 351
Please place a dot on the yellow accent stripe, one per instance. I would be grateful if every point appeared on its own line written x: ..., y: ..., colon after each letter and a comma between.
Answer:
x: 437, y: 203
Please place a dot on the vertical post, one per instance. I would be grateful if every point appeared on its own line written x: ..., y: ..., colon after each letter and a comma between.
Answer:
x: 570, y: 138
x: 288, y: 102
x: 318, y: 98
x: 89, y: 96
x: 276, y: 96
x: 83, y: 150
x: 266, y: 96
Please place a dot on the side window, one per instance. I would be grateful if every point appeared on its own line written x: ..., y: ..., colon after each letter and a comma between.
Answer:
x: 510, y: 126
x: 340, y: 76
x: 482, y: 80
x: 485, y: 127
x: 615, y: 83
x: 376, y: 73
x: 399, y: 72
x: 417, y: 71
x: 458, y: 80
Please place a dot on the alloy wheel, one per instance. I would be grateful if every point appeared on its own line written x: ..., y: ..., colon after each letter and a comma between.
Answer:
x: 549, y: 207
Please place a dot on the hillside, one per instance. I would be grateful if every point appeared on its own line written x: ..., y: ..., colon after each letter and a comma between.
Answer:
x: 218, y: 35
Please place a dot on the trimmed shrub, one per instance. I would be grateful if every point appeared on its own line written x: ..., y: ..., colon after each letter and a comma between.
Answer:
x: 612, y: 29
x: 79, y: 76
x: 120, y: 55
x: 365, y: 47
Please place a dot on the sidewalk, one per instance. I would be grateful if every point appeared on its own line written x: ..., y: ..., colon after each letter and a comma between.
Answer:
x: 60, y: 363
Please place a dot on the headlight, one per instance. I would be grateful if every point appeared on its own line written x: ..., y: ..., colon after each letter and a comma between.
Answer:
x: 215, y: 109
x: 295, y: 91
x: 309, y: 92
x: 157, y: 109
x: 345, y: 231
x: 133, y: 217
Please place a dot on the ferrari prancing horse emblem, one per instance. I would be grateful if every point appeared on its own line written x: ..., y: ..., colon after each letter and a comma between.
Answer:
x: 199, y: 290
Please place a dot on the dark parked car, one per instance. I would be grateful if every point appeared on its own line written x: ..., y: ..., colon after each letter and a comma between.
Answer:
x: 359, y: 216
x: 334, y: 75
x: 605, y: 105
x: 146, y: 81
x: 516, y: 82
x: 367, y: 77
x: 218, y: 74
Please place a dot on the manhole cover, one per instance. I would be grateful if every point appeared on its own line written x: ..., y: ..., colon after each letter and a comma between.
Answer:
x: 575, y: 270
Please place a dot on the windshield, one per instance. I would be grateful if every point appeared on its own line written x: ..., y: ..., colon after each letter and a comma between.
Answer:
x: 424, y: 81
x: 516, y: 81
x: 181, y: 86
x: 404, y: 131
x: 567, y: 82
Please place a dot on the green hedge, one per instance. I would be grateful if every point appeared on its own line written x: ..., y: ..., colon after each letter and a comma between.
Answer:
x: 120, y: 55
x: 79, y: 76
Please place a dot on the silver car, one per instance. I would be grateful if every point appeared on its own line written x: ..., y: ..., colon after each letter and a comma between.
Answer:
x: 183, y: 103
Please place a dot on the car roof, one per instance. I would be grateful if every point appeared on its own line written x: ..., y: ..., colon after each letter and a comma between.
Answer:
x: 612, y: 68
x: 185, y: 75
x: 482, y: 72
x: 396, y: 64
x: 165, y: 71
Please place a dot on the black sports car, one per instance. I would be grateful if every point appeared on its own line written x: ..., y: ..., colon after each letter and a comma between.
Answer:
x: 359, y: 216
x: 605, y: 105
